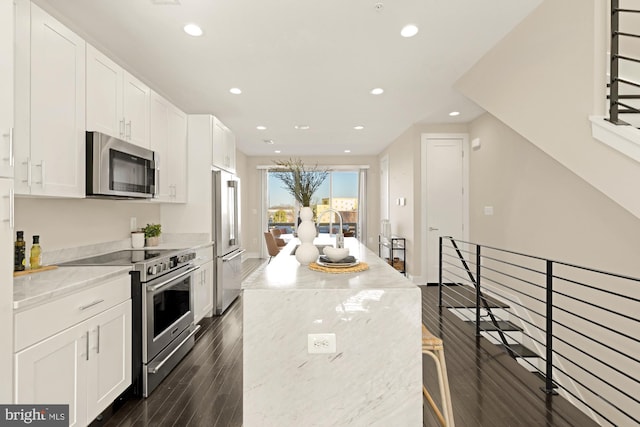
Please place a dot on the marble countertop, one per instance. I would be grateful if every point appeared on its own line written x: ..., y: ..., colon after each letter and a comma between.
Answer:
x: 35, y: 288
x: 285, y: 273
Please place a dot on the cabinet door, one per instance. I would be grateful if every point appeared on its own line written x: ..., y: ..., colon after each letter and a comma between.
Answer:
x: 57, y: 144
x: 204, y: 291
x: 54, y: 371
x: 6, y: 88
x: 136, y: 111
x: 159, y: 142
x: 109, y: 357
x: 104, y: 94
x: 177, y: 151
x: 230, y: 150
x: 6, y: 292
x: 217, y: 143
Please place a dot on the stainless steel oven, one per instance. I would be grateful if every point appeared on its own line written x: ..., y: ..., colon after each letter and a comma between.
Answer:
x: 167, y: 314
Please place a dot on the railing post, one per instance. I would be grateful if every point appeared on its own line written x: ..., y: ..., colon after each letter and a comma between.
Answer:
x: 440, y: 272
x: 613, y: 80
x: 548, y: 388
x: 478, y: 292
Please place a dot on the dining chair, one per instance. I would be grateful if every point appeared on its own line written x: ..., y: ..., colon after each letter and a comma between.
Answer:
x: 272, y: 246
x: 276, y: 232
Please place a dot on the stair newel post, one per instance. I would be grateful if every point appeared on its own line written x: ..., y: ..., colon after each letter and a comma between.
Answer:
x: 478, y: 292
x: 548, y: 388
x: 440, y: 272
x: 613, y: 83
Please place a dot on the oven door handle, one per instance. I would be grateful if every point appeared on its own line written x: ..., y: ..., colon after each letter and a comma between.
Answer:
x: 167, y: 282
x: 156, y: 368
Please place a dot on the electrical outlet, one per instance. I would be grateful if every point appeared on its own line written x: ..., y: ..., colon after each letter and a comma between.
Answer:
x: 321, y: 343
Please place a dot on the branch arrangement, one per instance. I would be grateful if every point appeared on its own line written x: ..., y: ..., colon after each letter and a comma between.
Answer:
x: 299, y: 180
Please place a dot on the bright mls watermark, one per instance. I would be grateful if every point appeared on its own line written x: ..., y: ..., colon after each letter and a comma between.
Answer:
x: 34, y: 415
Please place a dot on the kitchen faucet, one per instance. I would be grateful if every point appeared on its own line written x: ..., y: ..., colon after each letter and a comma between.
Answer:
x: 339, y: 235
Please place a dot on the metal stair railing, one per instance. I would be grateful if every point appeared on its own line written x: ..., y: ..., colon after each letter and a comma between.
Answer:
x: 582, y: 321
x: 622, y: 88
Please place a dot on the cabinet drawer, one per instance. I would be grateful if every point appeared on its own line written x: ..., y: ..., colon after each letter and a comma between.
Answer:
x: 45, y: 320
x: 203, y: 255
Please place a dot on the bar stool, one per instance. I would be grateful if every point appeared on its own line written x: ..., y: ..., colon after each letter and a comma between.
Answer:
x: 433, y: 346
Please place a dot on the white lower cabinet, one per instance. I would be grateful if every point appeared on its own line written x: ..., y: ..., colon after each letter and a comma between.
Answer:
x: 203, y: 288
x: 87, y: 365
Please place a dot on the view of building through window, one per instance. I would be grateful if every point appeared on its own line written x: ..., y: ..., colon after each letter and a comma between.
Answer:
x: 339, y: 191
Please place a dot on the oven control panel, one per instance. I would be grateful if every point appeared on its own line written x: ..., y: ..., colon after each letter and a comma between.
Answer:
x: 167, y: 264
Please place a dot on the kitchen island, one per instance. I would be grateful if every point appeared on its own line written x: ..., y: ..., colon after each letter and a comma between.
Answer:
x: 374, y: 375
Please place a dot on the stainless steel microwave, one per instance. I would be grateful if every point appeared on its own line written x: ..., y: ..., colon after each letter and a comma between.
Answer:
x: 119, y: 169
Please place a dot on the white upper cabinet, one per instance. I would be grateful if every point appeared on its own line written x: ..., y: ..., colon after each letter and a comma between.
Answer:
x: 117, y: 102
x: 6, y: 88
x: 224, y: 147
x: 168, y: 132
x: 50, y: 106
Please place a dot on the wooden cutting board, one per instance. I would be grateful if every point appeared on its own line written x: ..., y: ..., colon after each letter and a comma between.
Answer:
x: 37, y: 270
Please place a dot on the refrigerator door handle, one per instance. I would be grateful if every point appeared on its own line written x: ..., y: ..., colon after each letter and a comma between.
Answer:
x: 229, y: 258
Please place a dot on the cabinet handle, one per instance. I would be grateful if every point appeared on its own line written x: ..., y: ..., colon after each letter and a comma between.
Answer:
x: 96, y: 302
x: 43, y: 176
x: 10, y: 219
x: 98, y: 341
x: 128, y: 135
x: 121, y: 128
x: 433, y: 229
x: 87, y: 347
x: 9, y: 159
x: 28, y: 181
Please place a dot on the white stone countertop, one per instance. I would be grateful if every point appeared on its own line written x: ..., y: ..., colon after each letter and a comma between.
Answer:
x: 35, y: 288
x: 285, y: 273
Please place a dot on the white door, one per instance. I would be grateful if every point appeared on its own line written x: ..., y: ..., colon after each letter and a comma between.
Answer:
x: 159, y: 132
x: 57, y: 108
x: 177, y: 152
x: 137, y: 98
x: 104, y: 94
x: 53, y: 371
x: 6, y: 88
x: 445, y: 198
x: 384, y: 188
x: 109, y: 372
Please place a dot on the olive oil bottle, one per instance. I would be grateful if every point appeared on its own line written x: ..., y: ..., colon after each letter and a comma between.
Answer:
x: 19, y: 260
x: 35, y: 259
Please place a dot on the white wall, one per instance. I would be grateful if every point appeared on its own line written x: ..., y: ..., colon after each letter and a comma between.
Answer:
x: 64, y: 223
x: 544, y: 79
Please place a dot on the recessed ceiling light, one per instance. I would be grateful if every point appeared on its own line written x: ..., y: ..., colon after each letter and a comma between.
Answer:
x: 358, y: 127
x: 260, y: 127
x: 235, y: 91
x: 347, y: 151
x: 409, y: 30
x: 277, y: 151
x: 193, y: 30
x: 268, y: 141
x: 377, y: 91
x: 454, y: 113
x: 302, y: 127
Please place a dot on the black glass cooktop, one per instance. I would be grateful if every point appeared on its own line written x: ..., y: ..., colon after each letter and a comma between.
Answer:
x: 125, y: 257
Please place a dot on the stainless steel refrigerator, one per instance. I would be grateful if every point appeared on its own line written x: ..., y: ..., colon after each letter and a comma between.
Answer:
x: 226, y: 234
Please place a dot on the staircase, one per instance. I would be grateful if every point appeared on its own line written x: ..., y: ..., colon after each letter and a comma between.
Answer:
x: 507, y: 324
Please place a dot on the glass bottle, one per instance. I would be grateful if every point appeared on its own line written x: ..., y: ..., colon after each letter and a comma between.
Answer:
x: 19, y: 260
x: 36, y: 254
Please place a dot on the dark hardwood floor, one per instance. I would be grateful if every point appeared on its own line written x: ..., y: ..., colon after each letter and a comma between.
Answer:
x: 488, y: 388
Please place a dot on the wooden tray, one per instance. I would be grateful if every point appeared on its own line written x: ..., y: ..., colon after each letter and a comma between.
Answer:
x: 37, y: 270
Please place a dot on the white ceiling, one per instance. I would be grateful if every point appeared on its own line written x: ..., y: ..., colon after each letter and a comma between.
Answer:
x: 302, y: 62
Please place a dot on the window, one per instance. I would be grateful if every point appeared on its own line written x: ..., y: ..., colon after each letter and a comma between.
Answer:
x: 339, y: 191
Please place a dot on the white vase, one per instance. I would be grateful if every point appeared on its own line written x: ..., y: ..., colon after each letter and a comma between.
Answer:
x: 306, y: 252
